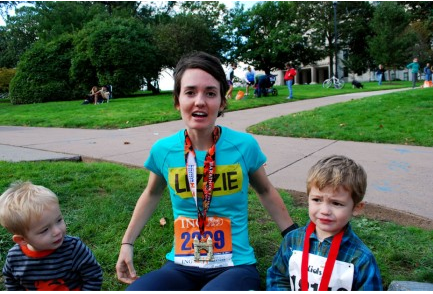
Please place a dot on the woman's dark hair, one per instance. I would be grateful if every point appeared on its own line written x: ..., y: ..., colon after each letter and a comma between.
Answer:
x: 205, y: 62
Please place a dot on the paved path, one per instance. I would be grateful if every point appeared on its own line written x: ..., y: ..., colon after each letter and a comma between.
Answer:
x: 399, y: 176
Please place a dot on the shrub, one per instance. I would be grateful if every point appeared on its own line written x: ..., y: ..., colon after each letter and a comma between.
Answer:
x: 6, y: 75
x: 43, y: 73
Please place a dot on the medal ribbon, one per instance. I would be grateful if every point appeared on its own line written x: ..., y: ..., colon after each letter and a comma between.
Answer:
x: 330, y: 261
x: 208, y: 173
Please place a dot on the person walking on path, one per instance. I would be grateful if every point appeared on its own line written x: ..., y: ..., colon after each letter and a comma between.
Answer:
x: 380, y: 74
x: 427, y: 72
x: 414, y: 67
x: 289, y: 78
x: 211, y: 249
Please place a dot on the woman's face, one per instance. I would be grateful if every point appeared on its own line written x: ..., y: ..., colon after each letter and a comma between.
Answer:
x: 200, y: 99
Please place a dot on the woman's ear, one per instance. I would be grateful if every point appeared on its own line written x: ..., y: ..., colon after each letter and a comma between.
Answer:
x: 19, y: 239
x: 358, y: 208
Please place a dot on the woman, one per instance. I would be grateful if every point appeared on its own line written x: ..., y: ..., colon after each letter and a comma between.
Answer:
x: 216, y: 222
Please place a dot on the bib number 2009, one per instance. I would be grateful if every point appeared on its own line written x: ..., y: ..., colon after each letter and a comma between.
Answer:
x: 217, y: 237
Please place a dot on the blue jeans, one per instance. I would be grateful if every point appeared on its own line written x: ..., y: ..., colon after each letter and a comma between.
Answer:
x: 414, y: 79
x: 379, y: 78
x: 173, y: 276
x: 289, y: 84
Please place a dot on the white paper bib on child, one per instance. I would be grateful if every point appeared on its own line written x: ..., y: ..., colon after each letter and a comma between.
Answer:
x: 341, y: 278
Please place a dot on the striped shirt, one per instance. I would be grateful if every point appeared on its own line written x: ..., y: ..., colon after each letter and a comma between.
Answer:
x: 362, y: 271
x: 70, y: 267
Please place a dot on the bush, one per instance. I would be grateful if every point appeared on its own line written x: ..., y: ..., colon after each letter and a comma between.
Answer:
x: 43, y: 73
x: 6, y: 75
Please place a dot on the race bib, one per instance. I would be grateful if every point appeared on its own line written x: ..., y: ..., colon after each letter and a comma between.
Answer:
x: 341, y: 278
x: 217, y: 228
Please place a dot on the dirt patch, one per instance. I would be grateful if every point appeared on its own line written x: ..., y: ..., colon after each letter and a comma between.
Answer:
x: 377, y: 212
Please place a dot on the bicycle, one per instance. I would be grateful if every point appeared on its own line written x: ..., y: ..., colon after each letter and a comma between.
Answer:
x: 337, y: 83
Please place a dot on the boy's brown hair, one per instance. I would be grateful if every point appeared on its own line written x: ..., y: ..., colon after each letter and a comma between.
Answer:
x: 338, y: 170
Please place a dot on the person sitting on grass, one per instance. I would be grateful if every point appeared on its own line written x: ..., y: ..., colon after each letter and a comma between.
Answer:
x: 44, y: 258
x: 103, y: 95
x: 92, y: 96
x: 326, y: 254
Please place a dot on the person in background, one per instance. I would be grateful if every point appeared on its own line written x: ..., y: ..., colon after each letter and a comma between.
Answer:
x: 289, y: 78
x: 427, y: 72
x: 380, y: 74
x: 208, y: 170
x: 44, y: 258
x: 92, y: 97
x: 414, y: 69
x: 230, y: 74
x: 327, y: 255
x: 249, y: 79
x: 103, y: 95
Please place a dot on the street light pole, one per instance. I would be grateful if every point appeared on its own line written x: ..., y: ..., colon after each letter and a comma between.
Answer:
x: 335, y: 38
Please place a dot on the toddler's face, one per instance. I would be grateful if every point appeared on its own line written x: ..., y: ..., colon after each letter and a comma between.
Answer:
x: 48, y: 231
x: 330, y: 209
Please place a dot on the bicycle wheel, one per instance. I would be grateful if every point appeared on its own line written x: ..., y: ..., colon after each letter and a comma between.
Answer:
x: 339, y: 84
x: 327, y: 83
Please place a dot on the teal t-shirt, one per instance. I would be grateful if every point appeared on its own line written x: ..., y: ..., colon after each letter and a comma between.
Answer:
x: 414, y: 66
x: 237, y: 156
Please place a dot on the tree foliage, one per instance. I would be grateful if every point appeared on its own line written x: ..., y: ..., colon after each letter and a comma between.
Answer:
x: 391, y: 40
x: 128, y: 43
x: 271, y: 34
x: 116, y: 51
x: 42, y: 74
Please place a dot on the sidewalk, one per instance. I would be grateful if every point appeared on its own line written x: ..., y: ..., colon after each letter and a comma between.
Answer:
x: 399, y: 176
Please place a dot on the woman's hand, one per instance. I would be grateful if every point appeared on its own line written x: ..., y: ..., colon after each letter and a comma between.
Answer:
x: 125, y: 265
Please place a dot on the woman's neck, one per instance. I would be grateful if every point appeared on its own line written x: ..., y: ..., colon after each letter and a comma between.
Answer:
x: 201, y: 139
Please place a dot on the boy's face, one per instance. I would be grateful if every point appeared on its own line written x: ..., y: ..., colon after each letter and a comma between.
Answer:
x: 331, y: 209
x: 48, y: 231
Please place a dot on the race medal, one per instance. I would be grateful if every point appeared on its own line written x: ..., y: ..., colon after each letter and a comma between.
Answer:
x: 200, y: 246
x: 208, y: 185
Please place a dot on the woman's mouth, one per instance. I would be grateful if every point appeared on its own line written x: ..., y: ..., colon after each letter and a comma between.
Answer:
x: 199, y: 114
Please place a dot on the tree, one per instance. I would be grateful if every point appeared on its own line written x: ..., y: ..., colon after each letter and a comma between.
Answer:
x: 17, y: 36
x: 42, y: 74
x: 116, y: 51
x: 389, y: 44
x: 270, y: 34
x: 180, y: 35
x: 353, y: 16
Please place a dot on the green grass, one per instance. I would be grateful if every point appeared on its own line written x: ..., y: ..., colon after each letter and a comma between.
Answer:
x: 395, y: 118
x: 143, y: 110
x: 97, y: 200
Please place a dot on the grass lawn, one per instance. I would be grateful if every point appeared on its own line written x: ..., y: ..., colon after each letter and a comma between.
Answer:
x: 142, y: 110
x: 97, y: 199
x: 397, y: 118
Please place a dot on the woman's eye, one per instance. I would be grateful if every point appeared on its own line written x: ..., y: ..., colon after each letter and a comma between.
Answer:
x: 211, y: 94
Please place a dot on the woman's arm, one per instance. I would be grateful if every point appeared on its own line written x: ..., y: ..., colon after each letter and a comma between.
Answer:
x: 270, y: 199
x: 144, y: 208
